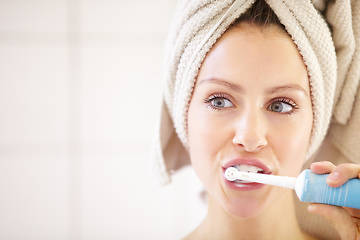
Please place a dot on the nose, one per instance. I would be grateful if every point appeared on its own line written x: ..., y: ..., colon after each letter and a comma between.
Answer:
x: 250, y: 132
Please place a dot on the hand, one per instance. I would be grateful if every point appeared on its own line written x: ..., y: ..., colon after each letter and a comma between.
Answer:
x: 345, y: 220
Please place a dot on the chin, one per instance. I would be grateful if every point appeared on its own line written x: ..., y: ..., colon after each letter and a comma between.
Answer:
x: 245, y: 209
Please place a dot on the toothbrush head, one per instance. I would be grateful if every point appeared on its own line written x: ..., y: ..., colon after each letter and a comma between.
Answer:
x: 230, y: 173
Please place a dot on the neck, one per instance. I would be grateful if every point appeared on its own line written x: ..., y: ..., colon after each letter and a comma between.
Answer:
x: 278, y: 221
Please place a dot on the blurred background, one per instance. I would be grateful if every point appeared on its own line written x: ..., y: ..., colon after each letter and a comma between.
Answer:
x: 80, y: 87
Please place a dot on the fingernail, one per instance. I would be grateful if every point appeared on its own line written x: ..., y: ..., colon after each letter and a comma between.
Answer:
x: 333, y: 176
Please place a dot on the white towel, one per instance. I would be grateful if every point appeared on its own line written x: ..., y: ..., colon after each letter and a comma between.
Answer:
x: 334, y: 76
x: 327, y: 34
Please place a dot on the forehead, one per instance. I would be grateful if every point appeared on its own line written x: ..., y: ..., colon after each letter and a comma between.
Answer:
x: 268, y: 40
x: 254, y: 53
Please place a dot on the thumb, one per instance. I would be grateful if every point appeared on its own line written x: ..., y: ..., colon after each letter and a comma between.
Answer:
x: 339, y: 218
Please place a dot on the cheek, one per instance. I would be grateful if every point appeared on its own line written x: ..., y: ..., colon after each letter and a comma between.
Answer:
x: 208, y: 133
x: 201, y: 133
x: 205, y: 141
x: 291, y: 146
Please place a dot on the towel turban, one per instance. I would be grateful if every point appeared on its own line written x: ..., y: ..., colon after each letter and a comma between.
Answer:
x: 327, y: 35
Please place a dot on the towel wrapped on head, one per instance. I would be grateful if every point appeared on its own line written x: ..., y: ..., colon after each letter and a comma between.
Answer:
x: 327, y: 34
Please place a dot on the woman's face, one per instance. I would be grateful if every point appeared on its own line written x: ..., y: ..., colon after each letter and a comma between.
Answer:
x: 250, y: 108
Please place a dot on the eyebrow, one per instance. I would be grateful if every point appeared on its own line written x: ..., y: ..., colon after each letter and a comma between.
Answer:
x: 239, y: 89
x: 287, y: 87
x: 222, y: 82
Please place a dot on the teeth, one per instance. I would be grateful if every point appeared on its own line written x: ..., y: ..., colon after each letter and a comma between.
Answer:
x: 248, y: 168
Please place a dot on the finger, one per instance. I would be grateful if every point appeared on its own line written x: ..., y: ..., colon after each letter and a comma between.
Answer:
x: 342, y: 173
x: 322, y: 167
x: 355, y: 214
x: 339, y: 218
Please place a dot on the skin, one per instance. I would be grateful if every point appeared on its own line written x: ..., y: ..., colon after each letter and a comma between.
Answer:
x: 345, y: 220
x: 250, y: 72
x: 249, y: 69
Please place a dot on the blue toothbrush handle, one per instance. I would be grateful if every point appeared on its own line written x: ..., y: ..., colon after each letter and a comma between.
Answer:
x: 316, y: 190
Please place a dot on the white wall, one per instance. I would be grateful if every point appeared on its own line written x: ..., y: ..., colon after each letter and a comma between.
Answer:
x: 80, y: 85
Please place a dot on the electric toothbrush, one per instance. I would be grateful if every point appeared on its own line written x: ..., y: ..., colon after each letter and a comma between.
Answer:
x: 309, y: 187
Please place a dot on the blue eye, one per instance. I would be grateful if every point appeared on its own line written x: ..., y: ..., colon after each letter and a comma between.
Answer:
x: 218, y: 102
x: 282, y: 106
x: 221, y: 103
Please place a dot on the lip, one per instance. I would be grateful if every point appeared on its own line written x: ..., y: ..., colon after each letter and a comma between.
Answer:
x: 251, y: 162
x: 244, y: 186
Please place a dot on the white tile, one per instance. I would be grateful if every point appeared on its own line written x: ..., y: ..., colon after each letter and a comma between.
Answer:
x: 33, y: 16
x: 34, y: 202
x: 121, y: 92
x: 117, y: 201
x: 33, y: 94
x: 137, y: 16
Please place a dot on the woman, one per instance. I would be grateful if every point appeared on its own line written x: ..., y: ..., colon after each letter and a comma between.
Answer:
x: 250, y: 88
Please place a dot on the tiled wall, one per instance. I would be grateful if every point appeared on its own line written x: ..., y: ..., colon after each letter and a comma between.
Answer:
x: 80, y: 89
